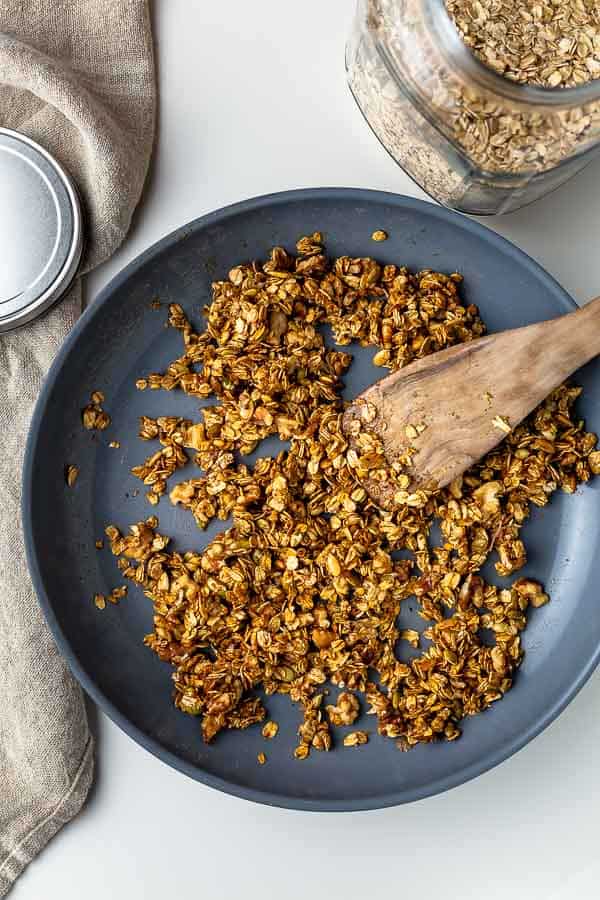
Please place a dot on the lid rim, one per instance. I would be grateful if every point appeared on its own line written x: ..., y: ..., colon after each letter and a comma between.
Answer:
x: 66, y: 275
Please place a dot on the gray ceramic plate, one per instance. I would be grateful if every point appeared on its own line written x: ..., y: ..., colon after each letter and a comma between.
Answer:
x: 121, y: 338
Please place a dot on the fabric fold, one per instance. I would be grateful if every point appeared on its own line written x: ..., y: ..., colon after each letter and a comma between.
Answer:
x: 77, y: 76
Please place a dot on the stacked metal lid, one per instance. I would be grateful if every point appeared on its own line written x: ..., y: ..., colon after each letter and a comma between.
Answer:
x: 40, y: 230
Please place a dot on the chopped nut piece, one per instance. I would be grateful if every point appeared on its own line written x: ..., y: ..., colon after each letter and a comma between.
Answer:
x: 114, y: 445
x: 261, y: 759
x: 322, y: 638
x: 379, y: 235
x: 527, y: 587
x: 278, y: 323
x: 356, y: 739
x: 71, y: 475
x: 346, y: 711
x: 100, y: 601
x: 532, y: 591
x: 99, y: 545
x: 487, y: 497
x: 594, y: 462
x: 382, y: 358
x: 333, y: 565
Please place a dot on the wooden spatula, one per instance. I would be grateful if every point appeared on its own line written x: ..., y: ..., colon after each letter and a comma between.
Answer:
x: 470, y: 396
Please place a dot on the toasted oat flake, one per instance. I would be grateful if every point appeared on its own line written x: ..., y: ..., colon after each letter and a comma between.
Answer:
x: 502, y: 424
x: 379, y: 235
x: 117, y: 594
x: 304, y: 589
x: 261, y: 759
x: 382, y: 358
x: 100, y: 601
x: 71, y: 474
x: 356, y: 739
x: 99, y: 544
x: 594, y: 462
x: 410, y: 635
x: 269, y: 730
x: 114, y: 445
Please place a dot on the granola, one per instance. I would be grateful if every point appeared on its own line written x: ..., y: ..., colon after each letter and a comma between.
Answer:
x: 501, y: 423
x: 71, y: 475
x: 305, y: 588
x: 115, y: 595
x: 93, y: 416
x: 356, y: 739
x: 269, y: 730
x: 346, y: 710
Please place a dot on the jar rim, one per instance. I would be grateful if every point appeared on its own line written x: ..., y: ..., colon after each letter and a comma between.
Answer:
x: 460, y: 54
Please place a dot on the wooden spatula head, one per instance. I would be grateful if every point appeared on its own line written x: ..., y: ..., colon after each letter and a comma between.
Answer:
x: 453, y: 407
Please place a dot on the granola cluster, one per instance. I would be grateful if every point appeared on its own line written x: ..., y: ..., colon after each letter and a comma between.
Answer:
x: 93, y: 416
x: 306, y: 587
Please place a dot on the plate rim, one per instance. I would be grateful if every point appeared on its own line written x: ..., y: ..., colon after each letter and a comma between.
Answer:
x: 152, y: 745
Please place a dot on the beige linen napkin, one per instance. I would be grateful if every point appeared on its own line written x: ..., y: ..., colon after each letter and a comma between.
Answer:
x: 77, y: 76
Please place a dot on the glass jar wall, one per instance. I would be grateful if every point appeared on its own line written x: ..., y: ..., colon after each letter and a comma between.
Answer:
x: 474, y: 140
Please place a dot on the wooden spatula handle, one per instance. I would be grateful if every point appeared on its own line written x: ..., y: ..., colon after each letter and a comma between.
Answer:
x: 577, y: 337
x: 557, y: 348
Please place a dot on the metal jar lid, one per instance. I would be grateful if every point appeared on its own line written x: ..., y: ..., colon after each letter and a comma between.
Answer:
x: 40, y: 230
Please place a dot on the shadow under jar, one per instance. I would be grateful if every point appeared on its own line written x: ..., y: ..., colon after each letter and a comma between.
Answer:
x: 473, y: 139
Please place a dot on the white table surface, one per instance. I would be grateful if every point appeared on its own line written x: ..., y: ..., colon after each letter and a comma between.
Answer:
x: 254, y: 100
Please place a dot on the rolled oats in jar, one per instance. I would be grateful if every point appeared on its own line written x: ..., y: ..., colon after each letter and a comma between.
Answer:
x: 486, y: 104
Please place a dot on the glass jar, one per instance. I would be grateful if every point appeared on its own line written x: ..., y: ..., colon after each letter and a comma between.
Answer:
x: 474, y: 140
